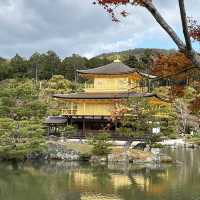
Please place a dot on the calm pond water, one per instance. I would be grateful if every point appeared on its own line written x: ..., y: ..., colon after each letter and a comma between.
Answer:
x: 75, y: 181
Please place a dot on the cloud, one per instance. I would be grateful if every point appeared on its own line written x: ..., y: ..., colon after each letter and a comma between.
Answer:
x: 71, y: 26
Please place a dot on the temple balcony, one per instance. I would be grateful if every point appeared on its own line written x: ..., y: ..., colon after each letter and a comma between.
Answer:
x: 69, y: 112
x: 94, y: 112
x: 104, y: 88
x: 110, y: 88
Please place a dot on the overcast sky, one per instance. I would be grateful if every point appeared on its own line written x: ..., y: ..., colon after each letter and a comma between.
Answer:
x: 77, y: 26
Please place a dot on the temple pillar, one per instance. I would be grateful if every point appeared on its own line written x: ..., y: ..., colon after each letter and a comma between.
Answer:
x: 83, y: 128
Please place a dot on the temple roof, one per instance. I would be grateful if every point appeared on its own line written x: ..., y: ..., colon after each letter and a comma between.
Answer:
x: 105, y: 95
x: 114, y: 68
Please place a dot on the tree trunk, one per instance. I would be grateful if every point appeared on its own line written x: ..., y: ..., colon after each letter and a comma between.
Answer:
x: 158, y: 17
x: 184, y: 48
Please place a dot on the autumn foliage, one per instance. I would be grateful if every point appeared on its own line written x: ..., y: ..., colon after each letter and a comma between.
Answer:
x: 175, y: 67
x: 120, y: 108
x: 194, y: 29
x: 195, y: 105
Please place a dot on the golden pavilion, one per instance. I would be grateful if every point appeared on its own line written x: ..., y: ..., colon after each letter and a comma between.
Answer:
x: 92, y: 109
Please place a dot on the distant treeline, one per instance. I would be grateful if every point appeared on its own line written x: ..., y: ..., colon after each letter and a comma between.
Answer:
x: 44, y: 66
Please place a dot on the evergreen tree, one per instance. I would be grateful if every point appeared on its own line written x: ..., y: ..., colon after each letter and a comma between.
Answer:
x: 146, y: 61
x: 50, y: 65
x: 19, y: 66
x: 132, y: 62
x: 70, y: 65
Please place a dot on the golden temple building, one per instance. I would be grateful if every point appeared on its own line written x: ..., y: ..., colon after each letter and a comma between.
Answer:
x: 92, y: 109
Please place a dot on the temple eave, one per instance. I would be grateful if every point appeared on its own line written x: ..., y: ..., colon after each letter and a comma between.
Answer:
x: 82, y: 96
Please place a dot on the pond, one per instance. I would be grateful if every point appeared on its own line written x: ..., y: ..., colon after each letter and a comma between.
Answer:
x: 80, y: 181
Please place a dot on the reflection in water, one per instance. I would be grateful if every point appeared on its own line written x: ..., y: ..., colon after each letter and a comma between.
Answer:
x: 79, y: 181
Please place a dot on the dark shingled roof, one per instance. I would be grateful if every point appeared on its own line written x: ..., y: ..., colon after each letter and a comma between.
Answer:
x: 55, y: 120
x: 103, y: 95
x: 114, y: 68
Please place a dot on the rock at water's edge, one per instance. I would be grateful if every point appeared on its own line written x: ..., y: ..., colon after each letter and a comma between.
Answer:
x: 98, y: 159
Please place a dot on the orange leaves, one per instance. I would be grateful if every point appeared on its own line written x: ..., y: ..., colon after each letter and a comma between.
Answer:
x: 195, y: 105
x: 194, y: 29
x: 177, y: 91
x: 136, y: 77
x: 157, y: 102
x: 172, y: 65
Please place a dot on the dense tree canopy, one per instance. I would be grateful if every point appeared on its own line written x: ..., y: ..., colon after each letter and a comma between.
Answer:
x: 19, y: 100
x: 44, y: 66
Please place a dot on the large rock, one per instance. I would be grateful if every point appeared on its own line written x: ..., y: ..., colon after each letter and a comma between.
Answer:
x: 59, y: 152
x: 140, y: 156
x: 98, y: 159
x: 132, y: 155
x: 118, y: 157
x: 165, y: 159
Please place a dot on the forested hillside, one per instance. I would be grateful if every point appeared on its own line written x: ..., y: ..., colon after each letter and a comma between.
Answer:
x: 44, y: 66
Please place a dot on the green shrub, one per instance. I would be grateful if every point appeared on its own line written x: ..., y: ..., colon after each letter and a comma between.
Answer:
x: 154, y: 138
x: 101, y: 145
x: 69, y: 130
x: 85, y: 156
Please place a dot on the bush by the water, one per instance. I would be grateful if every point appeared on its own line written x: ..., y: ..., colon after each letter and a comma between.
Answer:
x: 20, y: 140
x: 101, y: 145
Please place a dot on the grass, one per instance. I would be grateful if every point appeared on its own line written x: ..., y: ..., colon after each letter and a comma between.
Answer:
x: 82, y: 148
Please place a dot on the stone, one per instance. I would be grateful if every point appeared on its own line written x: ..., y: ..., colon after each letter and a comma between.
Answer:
x: 98, y: 159
x: 118, y: 157
x: 59, y: 152
x: 165, y: 159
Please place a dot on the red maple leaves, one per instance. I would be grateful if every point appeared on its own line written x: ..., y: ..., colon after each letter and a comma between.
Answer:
x: 174, y: 67
x: 194, y: 29
x: 195, y: 105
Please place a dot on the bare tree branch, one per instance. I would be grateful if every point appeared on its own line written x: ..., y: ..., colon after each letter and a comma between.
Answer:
x: 158, y: 17
x: 185, y: 26
x: 186, y: 49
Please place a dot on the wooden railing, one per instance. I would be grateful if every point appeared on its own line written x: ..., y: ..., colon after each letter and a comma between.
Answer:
x: 69, y: 111
x: 130, y: 87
